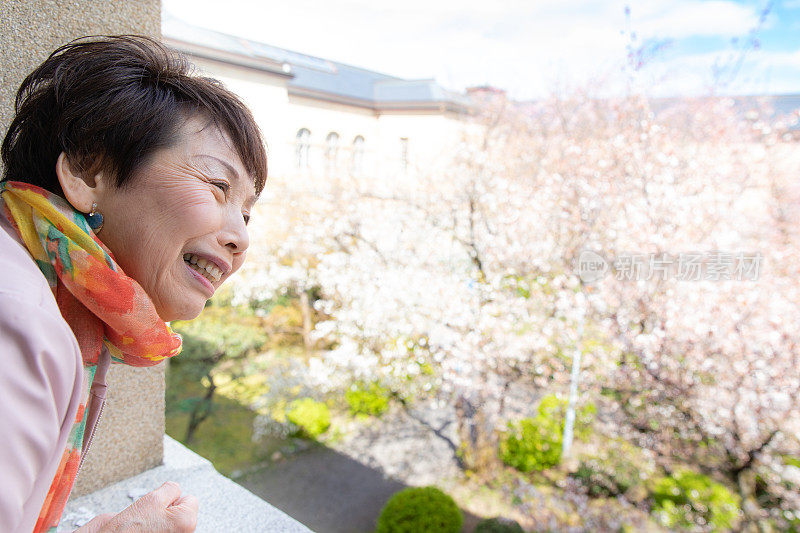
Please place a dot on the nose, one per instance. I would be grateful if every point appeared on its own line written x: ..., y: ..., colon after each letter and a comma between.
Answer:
x: 234, y: 235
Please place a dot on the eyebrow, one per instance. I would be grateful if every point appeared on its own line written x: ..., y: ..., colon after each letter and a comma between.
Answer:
x: 250, y: 200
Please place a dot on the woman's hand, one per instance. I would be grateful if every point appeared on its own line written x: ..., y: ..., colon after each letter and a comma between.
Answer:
x: 163, y: 510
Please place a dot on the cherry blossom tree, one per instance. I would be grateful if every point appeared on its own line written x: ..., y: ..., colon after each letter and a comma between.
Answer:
x: 461, y: 285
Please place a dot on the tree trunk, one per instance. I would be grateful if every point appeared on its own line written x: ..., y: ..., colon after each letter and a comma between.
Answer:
x: 305, y: 309
x: 477, y: 440
x: 752, y: 520
x: 201, y: 410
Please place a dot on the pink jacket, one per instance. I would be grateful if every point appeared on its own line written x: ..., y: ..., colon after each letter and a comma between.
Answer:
x: 41, y: 377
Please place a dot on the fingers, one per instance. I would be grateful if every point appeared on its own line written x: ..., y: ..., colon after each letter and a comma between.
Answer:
x: 162, y: 510
x: 165, y: 495
x: 187, y: 502
x: 184, y: 513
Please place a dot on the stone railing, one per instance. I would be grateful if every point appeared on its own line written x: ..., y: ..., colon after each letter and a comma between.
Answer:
x: 224, y: 505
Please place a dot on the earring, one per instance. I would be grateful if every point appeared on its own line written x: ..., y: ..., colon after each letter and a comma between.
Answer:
x: 95, y: 219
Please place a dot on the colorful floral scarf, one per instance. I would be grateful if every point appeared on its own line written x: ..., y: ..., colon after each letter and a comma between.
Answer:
x: 100, y: 303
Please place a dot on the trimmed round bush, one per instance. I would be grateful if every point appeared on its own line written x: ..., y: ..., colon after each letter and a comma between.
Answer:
x: 312, y: 417
x: 420, y: 510
x: 498, y: 525
x: 687, y: 499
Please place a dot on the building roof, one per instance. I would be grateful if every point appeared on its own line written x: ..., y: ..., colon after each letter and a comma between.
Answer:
x: 312, y: 76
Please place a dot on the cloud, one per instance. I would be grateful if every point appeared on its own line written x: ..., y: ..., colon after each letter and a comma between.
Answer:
x: 525, y: 47
x: 679, y: 20
x: 760, y: 72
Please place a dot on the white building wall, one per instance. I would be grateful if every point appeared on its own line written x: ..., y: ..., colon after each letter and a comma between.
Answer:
x: 432, y: 139
x: 431, y: 136
x: 321, y: 118
x: 266, y: 96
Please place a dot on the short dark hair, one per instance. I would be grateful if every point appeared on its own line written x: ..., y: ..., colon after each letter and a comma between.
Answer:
x: 108, y: 103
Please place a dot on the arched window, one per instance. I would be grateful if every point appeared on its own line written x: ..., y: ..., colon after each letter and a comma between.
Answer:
x: 357, y: 164
x: 302, y: 146
x: 331, y: 150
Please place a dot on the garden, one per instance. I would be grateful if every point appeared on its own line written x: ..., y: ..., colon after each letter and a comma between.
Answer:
x: 442, y: 329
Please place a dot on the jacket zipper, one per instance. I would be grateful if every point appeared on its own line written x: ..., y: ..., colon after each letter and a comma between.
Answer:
x: 99, y: 380
x: 91, y: 436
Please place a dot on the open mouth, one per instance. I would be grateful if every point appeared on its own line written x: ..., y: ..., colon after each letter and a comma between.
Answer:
x: 206, y: 268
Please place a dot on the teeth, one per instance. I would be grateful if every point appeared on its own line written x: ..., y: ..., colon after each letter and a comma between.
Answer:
x: 204, y: 267
x: 214, y: 271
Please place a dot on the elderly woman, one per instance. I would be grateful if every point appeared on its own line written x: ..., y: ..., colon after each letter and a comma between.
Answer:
x: 127, y: 190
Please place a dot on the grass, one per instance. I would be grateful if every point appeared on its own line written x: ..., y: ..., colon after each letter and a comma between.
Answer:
x: 225, y: 438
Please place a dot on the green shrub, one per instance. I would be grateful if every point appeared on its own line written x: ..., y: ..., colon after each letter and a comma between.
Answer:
x: 532, y: 444
x: 312, y: 417
x: 602, y: 480
x: 617, y: 469
x: 372, y: 400
x: 687, y: 499
x: 498, y: 525
x: 420, y: 510
x: 218, y: 333
x: 535, y: 443
x: 217, y: 344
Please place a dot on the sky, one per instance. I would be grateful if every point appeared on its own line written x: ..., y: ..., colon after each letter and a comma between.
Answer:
x: 534, y: 48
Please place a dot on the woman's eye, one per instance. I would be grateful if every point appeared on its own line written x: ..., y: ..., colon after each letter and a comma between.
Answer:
x: 221, y: 185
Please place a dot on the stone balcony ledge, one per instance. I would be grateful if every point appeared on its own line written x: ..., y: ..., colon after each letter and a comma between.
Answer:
x: 224, y: 505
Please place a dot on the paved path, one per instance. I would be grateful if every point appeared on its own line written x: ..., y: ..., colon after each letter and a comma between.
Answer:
x: 327, y: 491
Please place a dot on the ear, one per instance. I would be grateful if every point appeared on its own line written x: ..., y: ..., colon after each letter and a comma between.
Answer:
x: 80, y: 190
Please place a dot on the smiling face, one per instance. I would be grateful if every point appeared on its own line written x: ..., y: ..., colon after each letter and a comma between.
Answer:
x: 184, y: 211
